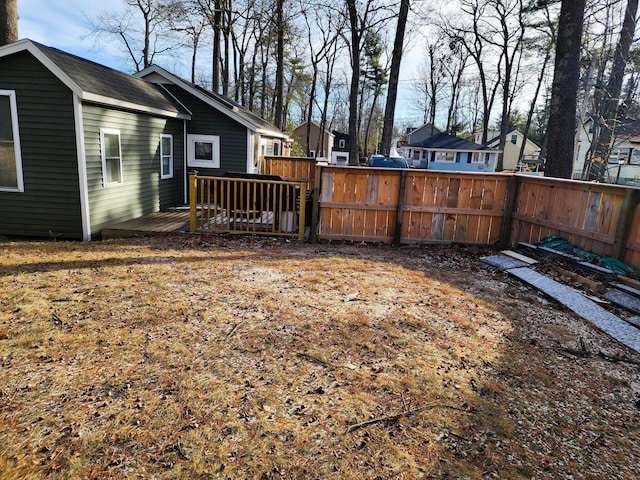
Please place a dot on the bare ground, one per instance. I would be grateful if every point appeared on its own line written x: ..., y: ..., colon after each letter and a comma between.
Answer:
x: 200, y: 357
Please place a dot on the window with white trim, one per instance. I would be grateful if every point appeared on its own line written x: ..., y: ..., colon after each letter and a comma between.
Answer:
x: 445, y: 157
x: 111, y: 151
x: 166, y: 156
x: 10, y: 152
x: 203, y: 151
x: 478, y: 157
x: 342, y: 143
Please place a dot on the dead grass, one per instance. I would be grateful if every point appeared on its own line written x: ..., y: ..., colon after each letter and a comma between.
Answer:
x: 196, y: 357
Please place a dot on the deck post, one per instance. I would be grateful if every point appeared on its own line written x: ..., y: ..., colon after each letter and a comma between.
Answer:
x: 303, y: 209
x: 193, y: 194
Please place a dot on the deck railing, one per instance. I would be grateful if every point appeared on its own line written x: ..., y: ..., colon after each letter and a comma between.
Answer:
x: 247, y: 206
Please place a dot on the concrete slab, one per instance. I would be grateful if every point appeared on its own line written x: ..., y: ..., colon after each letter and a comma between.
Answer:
x: 601, y: 318
x: 635, y: 320
x: 502, y: 262
x: 627, y: 289
x: 623, y: 299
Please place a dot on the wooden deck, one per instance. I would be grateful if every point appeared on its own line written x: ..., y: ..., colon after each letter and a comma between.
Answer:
x: 153, y: 224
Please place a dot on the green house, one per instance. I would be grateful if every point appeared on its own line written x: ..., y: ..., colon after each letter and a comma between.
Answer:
x: 83, y: 146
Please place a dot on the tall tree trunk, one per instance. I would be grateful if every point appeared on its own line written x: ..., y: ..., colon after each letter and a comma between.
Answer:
x: 279, y: 107
x: 8, y: 21
x: 216, y: 59
x: 602, y: 148
x: 392, y: 92
x: 354, y: 153
x: 566, y: 75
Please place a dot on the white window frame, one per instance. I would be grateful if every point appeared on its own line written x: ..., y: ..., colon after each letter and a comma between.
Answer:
x: 443, y: 157
x: 17, y: 151
x: 479, y: 157
x: 191, y: 151
x: 120, y: 181
x: 163, y: 155
x: 342, y: 143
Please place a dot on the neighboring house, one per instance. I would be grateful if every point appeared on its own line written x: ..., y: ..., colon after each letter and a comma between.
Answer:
x: 234, y: 137
x: 449, y: 153
x: 417, y: 135
x: 341, y: 145
x: 83, y: 146
x: 511, y: 155
x: 317, y: 147
x: 623, y: 165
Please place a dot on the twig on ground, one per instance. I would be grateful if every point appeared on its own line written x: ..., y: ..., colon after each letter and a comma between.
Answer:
x: 398, y: 416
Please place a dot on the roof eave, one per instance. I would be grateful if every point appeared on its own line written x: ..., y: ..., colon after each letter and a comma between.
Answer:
x: 112, y: 102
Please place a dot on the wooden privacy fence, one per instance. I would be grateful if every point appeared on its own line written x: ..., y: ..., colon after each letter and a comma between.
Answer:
x: 253, y: 205
x: 410, y: 206
x: 290, y: 168
x: 596, y: 217
x: 422, y: 206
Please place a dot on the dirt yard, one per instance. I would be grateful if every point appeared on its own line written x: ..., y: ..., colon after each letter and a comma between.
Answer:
x: 235, y: 358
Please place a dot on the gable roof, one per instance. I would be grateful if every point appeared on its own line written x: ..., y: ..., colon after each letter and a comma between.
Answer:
x: 96, y: 83
x: 442, y: 141
x: 225, y: 105
x: 496, y: 137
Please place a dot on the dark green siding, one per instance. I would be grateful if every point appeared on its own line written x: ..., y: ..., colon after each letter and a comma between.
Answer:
x: 142, y: 191
x: 50, y: 203
x: 206, y: 120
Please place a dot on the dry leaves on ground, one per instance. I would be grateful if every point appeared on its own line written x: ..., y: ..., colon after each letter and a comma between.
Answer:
x: 204, y: 357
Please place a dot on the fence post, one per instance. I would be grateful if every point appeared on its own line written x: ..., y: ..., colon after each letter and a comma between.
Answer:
x: 193, y: 194
x: 315, y: 213
x: 507, y: 215
x: 303, y: 209
x: 629, y: 206
x: 397, y: 233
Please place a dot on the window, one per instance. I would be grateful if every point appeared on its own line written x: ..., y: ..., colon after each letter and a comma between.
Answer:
x: 312, y: 154
x: 203, y: 151
x: 445, y: 157
x: 478, y: 157
x: 111, y: 157
x: 341, y: 143
x: 166, y: 156
x: 10, y: 153
x: 514, y: 139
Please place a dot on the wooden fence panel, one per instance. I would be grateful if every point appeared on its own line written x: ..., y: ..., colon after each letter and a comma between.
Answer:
x: 585, y: 214
x: 290, y: 168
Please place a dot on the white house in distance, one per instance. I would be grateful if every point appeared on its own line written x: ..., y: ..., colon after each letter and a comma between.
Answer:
x: 510, y: 157
x: 623, y: 165
x: 449, y: 153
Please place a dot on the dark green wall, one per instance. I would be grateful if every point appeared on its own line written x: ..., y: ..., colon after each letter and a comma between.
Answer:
x: 206, y: 120
x: 50, y: 203
x: 142, y: 190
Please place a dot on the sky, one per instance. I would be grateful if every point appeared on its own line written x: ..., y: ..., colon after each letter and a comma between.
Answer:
x: 64, y: 24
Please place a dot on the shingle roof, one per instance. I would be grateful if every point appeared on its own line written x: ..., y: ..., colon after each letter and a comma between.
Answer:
x: 442, y: 141
x: 101, y: 84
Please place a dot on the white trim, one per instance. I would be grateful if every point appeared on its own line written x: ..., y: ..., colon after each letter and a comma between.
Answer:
x: 17, y: 150
x: 185, y: 174
x: 163, y: 154
x: 154, y: 69
x: 82, y: 169
x: 110, y: 131
x: 215, y: 151
x: 112, y: 102
x: 29, y: 46
x: 251, y: 154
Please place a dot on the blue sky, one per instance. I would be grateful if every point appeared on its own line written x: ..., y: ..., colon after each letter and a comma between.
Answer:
x: 64, y: 24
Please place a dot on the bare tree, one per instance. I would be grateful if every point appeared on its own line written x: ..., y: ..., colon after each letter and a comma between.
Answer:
x: 562, y: 118
x: 392, y: 91
x: 8, y: 21
x: 141, y: 30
